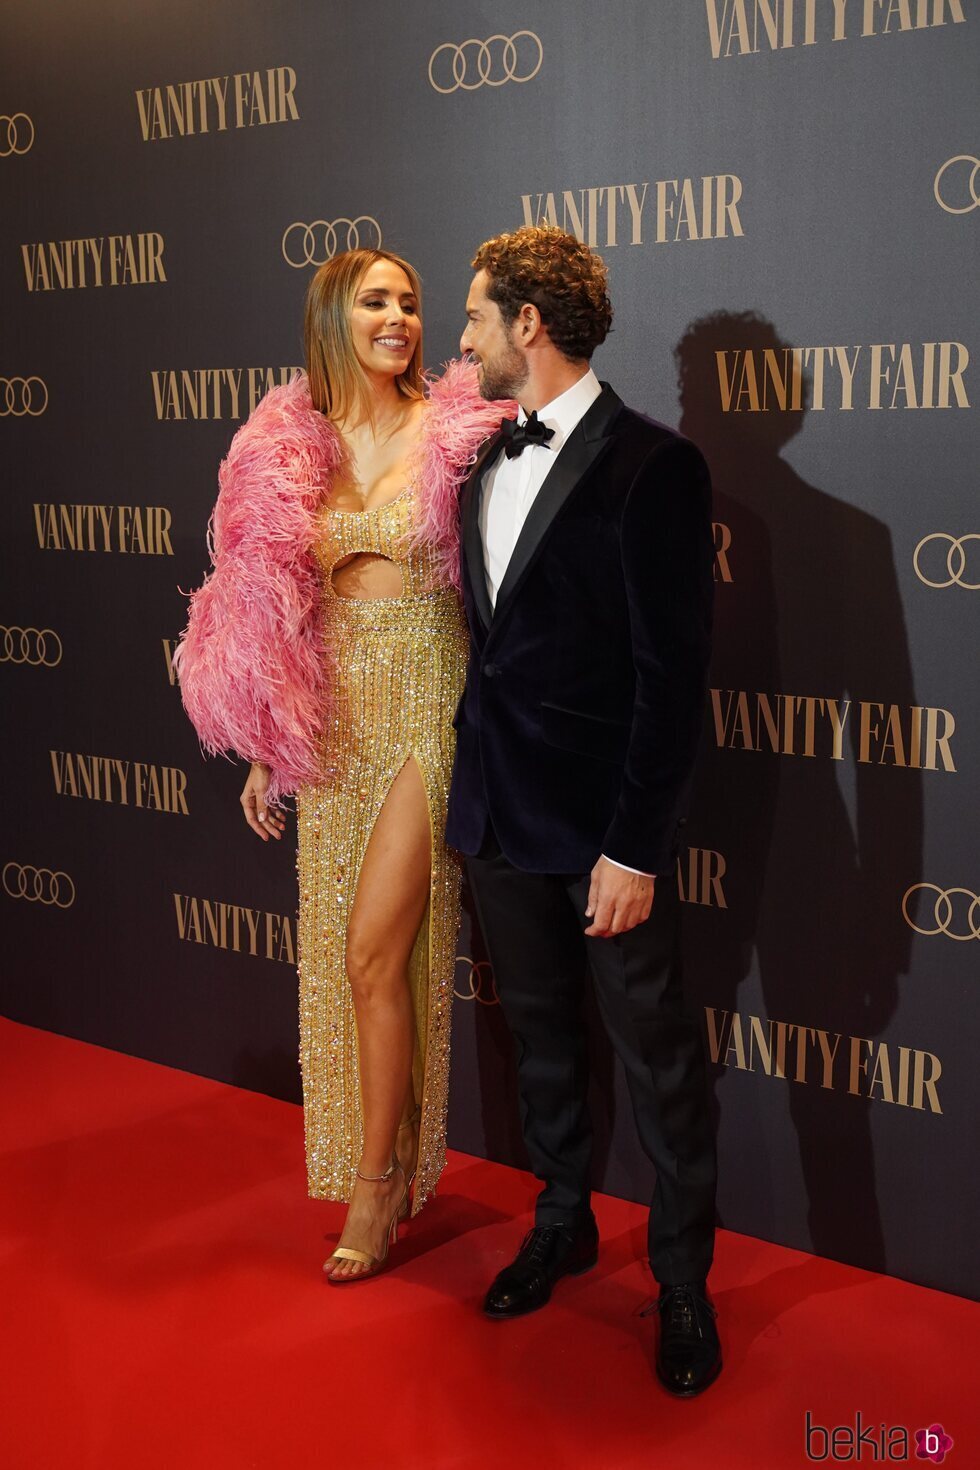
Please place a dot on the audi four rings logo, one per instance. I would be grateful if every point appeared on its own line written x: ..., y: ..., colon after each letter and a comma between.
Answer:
x: 16, y: 134
x: 956, y: 912
x: 481, y: 986
x: 955, y: 185
x: 955, y: 560
x: 316, y: 243
x: 38, y: 885
x: 20, y: 396
x: 488, y: 63
x: 39, y: 647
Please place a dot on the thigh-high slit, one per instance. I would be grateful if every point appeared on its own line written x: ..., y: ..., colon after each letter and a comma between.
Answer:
x: 400, y: 664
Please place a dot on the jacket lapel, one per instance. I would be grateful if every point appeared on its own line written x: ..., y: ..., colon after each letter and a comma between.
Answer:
x: 578, y: 454
x: 472, y: 541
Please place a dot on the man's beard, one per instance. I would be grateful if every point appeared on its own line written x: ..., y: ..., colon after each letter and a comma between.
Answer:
x: 505, y: 377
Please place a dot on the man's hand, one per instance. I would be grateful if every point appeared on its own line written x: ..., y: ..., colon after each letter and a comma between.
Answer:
x: 618, y: 899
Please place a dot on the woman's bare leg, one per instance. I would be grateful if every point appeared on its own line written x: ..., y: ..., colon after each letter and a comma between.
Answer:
x: 389, y: 905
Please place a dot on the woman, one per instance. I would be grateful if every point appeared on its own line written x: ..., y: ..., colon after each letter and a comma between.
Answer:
x: 328, y: 647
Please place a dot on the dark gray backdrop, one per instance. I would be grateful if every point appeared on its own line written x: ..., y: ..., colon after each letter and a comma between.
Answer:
x: 855, y: 206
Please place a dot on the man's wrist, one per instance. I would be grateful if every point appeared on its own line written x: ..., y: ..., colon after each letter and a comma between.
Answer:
x: 626, y: 869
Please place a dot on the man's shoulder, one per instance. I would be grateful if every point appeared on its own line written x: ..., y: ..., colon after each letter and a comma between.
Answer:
x: 648, y: 433
x: 650, y: 456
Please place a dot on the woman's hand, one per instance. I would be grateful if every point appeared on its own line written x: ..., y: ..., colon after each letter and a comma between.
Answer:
x: 264, y: 820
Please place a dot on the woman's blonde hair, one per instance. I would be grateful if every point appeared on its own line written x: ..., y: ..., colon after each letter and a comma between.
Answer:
x: 338, y: 386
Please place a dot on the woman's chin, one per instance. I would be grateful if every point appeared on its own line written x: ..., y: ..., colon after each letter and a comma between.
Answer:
x: 389, y: 366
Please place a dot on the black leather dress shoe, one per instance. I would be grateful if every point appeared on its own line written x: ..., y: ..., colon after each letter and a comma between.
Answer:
x: 688, y: 1350
x: 548, y: 1252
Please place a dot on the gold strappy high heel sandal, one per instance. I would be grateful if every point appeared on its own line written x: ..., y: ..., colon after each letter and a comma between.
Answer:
x: 373, y: 1264
x: 405, y: 1206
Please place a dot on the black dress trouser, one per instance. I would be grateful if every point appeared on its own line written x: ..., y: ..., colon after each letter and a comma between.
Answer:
x: 533, y: 926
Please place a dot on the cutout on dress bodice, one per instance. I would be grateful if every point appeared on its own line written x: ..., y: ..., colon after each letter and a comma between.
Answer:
x: 357, y: 542
x: 365, y: 575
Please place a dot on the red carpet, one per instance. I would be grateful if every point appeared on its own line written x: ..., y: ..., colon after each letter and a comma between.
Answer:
x: 162, y: 1307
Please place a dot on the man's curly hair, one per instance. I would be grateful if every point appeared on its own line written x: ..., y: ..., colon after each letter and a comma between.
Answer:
x: 563, y: 278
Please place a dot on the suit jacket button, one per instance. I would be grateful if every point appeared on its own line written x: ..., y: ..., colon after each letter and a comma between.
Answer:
x: 490, y: 670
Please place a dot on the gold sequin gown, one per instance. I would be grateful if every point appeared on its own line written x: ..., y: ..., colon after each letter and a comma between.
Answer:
x: 400, y: 666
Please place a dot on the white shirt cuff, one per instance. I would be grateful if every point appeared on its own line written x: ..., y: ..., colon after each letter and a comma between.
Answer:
x: 625, y: 868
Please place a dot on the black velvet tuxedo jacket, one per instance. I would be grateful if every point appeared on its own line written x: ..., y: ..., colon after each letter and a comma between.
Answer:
x: 579, y: 723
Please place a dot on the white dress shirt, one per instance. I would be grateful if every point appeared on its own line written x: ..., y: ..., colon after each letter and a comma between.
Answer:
x: 511, y: 485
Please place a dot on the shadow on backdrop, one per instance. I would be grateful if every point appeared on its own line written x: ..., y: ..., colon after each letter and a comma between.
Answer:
x: 818, y: 850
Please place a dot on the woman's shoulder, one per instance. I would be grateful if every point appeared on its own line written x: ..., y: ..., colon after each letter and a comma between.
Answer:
x: 286, y: 403
x: 285, y: 426
x: 458, y: 383
x: 280, y: 460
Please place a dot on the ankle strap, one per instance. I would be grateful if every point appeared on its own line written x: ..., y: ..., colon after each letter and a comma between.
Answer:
x: 379, y: 1178
x: 413, y: 1119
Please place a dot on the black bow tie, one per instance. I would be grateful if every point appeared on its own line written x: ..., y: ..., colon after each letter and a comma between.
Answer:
x: 518, y: 436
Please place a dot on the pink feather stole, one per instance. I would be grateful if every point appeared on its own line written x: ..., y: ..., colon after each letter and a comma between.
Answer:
x: 253, y: 662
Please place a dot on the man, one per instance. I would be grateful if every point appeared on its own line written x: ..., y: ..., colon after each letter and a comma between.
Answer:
x: 587, y: 569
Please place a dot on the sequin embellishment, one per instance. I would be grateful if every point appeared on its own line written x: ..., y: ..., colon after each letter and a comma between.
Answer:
x: 400, y: 666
